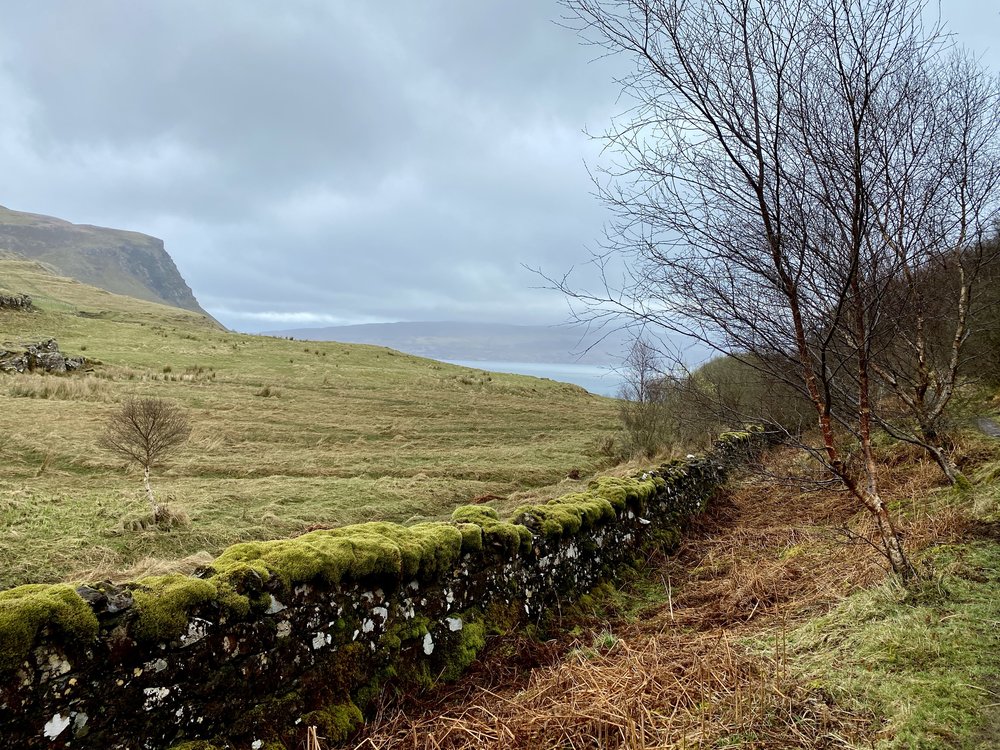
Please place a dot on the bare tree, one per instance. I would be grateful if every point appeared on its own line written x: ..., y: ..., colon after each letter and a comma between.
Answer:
x: 752, y: 185
x: 643, y: 393
x: 144, y: 431
x: 936, y: 211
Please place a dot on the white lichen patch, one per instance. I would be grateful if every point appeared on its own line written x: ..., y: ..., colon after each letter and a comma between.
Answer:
x: 454, y: 623
x: 321, y: 640
x: 197, y: 630
x: 367, y: 626
x: 155, y: 666
x: 428, y: 644
x: 284, y: 629
x: 55, y: 666
x: 56, y: 726
x: 155, y: 696
x: 382, y: 612
x: 256, y: 744
x: 275, y: 607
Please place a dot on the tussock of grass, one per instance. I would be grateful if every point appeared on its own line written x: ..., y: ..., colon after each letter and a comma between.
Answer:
x: 63, y: 388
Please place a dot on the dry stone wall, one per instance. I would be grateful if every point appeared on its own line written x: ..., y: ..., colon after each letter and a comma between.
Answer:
x: 278, y: 636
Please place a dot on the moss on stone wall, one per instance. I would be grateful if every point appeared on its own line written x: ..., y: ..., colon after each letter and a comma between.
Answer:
x: 27, y: 609
x: 162, y: 604
x: 336, y: 722
x: 502, y: 537
x: 368, y: 550
x: 621, y: 491
x: 463, y: 648
x: 567, y: 515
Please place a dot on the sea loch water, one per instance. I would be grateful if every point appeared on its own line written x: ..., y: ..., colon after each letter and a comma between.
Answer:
x: 602, y: 380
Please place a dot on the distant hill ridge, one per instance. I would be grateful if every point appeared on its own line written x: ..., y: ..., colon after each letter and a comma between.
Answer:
x: 116, y: 260
x: 452, y: 340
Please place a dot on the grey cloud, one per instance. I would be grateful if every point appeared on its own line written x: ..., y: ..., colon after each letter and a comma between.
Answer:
x: 317, y: 159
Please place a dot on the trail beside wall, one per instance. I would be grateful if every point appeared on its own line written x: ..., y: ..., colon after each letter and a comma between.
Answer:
x: 277, y: 636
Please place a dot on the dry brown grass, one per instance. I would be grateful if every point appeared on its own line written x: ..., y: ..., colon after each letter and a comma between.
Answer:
x: 762, y: 559
x: 61, y: 388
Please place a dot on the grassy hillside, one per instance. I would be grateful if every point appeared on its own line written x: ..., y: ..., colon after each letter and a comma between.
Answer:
x: 287, y: 434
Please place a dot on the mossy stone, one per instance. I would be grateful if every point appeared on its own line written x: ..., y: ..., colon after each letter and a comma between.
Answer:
x: 162, y: 605
x: 336, y: 722
x: 27, y: 609
x: 498, y: 536
x: 463, y: 648
x: 369, y: 550
x: 567, y: 515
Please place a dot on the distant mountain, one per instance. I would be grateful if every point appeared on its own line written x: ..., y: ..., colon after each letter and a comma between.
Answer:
x: 115, y: 260
x: 480, y: 341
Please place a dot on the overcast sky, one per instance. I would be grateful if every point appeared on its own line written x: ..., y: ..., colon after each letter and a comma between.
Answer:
x: 318, y: 162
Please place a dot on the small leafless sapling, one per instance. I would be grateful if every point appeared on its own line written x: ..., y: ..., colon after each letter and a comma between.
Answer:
x: 145, y: 431
x: 642, y: 409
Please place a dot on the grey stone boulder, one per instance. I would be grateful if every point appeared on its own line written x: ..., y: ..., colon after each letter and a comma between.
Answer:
x: 42, y: 356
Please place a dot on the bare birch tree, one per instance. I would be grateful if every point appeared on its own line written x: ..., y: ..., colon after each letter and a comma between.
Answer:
x: 751, y: 186
x: 144, y: 431
x: 643, y: 399
x: 936, y: 210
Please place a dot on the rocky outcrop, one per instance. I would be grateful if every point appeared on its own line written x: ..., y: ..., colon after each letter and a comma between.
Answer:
x: 43, y: 356
x: 20, y: 302
x: 116, y: 260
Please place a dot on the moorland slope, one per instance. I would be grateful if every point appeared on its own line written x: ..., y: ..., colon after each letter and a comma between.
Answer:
x: 288, y: 435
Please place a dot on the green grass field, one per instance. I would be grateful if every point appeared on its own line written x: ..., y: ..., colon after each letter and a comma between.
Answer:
x: 286, y: 434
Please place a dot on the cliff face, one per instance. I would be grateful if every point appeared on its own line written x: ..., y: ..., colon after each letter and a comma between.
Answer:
x: 113, y: 259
